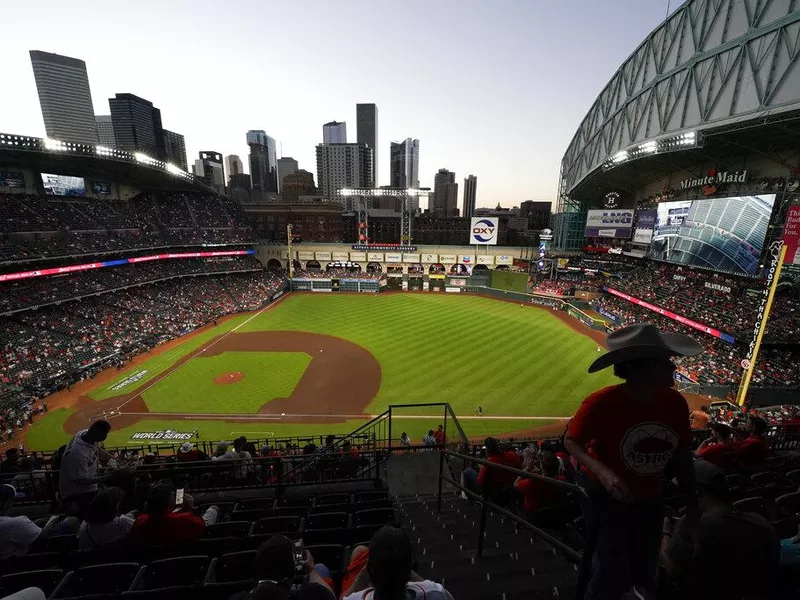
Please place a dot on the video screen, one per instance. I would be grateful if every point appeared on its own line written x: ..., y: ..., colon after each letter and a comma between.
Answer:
x: 101, y: 187
x: 12, y: 179
x: 720, y: 233
x: 63, y: 185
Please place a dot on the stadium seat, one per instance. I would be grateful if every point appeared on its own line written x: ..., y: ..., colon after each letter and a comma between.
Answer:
x: 371, y: 504
x: 370, y: 496
x: 327, y: 520
x: 759, y: 505
x: 179, y: 592
x: 61, y: 543
x: 345, y: 507
x: 375, y: 516
x: 330, y: 535
x: 229, y: 529
x: 31, y: 562
x: 330, y: 555
x: 235, y: 566
x: 46, y: 580
x: 216, y: 546
x: 292, y: 511
x: 789, y: 503
x: 275, y: 525
x: 794, y: 476
x: 109, y: 579
x: 362, y: 534
x: 255, y: 503
x: 226, y: 589
x: 171, y: 572
x: 251, y: 515
x: 326, y: 499
x: 289, y: 502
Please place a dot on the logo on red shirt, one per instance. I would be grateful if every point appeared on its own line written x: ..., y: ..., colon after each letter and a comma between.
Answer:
x: 647, y: 447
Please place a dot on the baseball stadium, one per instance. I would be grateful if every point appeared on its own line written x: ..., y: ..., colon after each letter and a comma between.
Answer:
x: 133, y: 293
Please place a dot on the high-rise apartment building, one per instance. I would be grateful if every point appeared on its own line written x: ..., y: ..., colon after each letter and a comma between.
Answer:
x: 343, y: 166
x: 470, y: 191
x: 299, y: 183
x: 263, y: 161
x: 445, y: 194
x: 137, y: 125
x: 175, y: 149
x: 105, y: 131
x: 64, y: 97
x: 286, y: 166
x: 404, y: 157
x: 334, y: 132
x: 367, y: 131
x: 209, y: 169
x: 233, y: 166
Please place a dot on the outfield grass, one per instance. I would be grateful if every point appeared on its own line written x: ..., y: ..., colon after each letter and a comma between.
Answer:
x: 469, y: 351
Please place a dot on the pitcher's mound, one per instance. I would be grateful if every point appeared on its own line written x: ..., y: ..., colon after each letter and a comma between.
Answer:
x: 227, y: 378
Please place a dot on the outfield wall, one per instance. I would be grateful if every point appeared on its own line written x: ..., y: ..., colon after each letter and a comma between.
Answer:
x: 509, y: 280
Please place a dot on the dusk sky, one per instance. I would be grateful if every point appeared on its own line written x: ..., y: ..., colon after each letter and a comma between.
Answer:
x: 495, y: 88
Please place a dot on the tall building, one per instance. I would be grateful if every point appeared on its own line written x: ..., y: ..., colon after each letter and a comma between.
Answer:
x: 286, y: 166
x: 343, y: 166
x: 299, y: 183
x: 334, y: 132
x: 470, y: 191
x: 233, y: 166
x: 105, y: 131
x: 536, y: 214
x: 445, y: 194
x: 137, y: 125
x: 263, y: 161
x: 404, y: 158
x: 209, y: 169
x: 175, y: 149
x: 64, y: 97
x: 367, y: 131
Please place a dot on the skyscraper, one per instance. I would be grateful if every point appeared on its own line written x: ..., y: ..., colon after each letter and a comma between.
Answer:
x: 445, y: 194
x: 209, y: 169
x: 334, y: 132
x: 175, y: 149
x: 137, y: 125
x: 405, y: 164
x: 343, y: 166
x: 263, y: 161
x: 367, y: 131
x: 105, y: 131
x: 470, y: 190
x: 233, y: 166
x: 286, y: 166
x: 65, y: 97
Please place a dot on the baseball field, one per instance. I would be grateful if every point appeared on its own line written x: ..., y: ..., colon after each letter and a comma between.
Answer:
x: 313, y: 363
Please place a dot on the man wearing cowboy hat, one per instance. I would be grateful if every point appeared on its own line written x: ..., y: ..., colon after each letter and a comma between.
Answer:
x: 624, y: 436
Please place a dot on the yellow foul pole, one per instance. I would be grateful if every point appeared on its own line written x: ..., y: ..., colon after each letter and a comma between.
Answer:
x: 291, y: 258
x: 748, y: 372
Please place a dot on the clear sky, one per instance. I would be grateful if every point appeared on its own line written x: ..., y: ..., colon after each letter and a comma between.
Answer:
x: 495, y: 88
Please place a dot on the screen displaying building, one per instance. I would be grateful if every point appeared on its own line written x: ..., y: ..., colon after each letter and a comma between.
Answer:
x: 63, y: 185
x: 721, y: 233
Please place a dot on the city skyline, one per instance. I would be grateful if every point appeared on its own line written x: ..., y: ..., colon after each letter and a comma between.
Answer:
x: 518, y: 90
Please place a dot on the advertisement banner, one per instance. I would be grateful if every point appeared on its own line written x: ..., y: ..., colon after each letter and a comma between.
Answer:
x: 453, y: 290
x: 466, y: 259
x: 345, y: 256
x: 458, y: 282
x: 447, y: 259
x: 503, y: 259
x: 394, y: 257
x: 611, y: 223
x: 675, y: 317
x: 12, y: 179
x: 642, y: 236
x: 484, y: 231
x: 411, y: 258
x: 791, y: 236
x: 305, y: 256
x: 608, y: 315
x: 646, y: 219
x: 358, y: 256
x: 375, y: 256
x: 485, y: 259
x: 429, y: 259
x: 323, y: 256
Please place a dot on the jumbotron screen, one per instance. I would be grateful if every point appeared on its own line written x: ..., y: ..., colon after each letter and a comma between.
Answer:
x: 63, y: 185
x: 719, y: 233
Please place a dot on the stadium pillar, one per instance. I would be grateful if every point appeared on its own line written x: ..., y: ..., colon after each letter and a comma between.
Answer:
x: 748, y: 372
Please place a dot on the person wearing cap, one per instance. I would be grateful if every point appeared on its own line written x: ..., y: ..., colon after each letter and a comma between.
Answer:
x: 624, y: 437
x: 753, y: 450
x: 18, y: 534
x: 699, y: 568
x: 188, y: 453
x: 719, y: 449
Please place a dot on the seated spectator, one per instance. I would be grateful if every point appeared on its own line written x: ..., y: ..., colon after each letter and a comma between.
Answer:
x: 429, y: 440
x: 161, y: 523
x: 188, y: 453
x: 10, y: 466
x: 539, y: 494
x: 698, y: 563
x: 718, y: 449
x: 495, y: 482
x: 405, y: 441
x: 439, y: 435
x: 698, y: 419
x: 104, y: 525
x: 753, y: 449
x: 383, y: 571
x: 77, y: 479
x: 19, y: 534
x: 240, y: 455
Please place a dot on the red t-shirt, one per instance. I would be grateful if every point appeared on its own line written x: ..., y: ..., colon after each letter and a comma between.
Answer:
x: 171, y: 528
x: 539, y: 493
x: 720, y: 455
x: 439, y: 435
x: 633, y: 438
x: 752, y: 452
x: 495, y: 479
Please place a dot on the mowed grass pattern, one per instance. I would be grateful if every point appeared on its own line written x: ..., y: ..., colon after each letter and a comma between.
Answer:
x: 191, y: 388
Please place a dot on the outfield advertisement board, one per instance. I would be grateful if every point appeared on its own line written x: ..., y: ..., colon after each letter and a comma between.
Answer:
x: 305, y: 256
x: 483, y: 231
x: 344, y: 256
x: 447, y: 259
x: 375, y: 256
x: 503, y: 259
x: 466, y: 259
x: 394, y: 257
x: 609, y: 223
x: 675, y: 317
x: 358, y: 256
x: 429, y: 259
x: 484, y: 259
x: 410, y: 258
x: 323, y: 256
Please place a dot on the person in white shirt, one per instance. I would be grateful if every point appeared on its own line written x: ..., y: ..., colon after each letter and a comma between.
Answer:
x: 104, y: 525
x: 77, y: 478
x: 383, y: 571
x: 239, y: 454
x: 18, y: 534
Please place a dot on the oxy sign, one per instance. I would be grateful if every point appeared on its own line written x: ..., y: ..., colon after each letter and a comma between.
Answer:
x: 483, y: 231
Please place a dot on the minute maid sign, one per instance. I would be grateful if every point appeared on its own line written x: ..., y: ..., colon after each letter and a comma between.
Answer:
x: 713, y: 180
x: 483, y: 231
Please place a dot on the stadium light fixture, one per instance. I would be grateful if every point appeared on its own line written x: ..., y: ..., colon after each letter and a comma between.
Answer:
x: 143, y: 158
x: 54, y: 145
x: 176, y: 170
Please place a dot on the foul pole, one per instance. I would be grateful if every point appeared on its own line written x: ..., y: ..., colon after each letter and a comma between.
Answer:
x: 291, y: 258
x: 751, y: 361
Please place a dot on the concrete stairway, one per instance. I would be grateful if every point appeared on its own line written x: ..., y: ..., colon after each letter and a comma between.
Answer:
x: 515, y: 565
